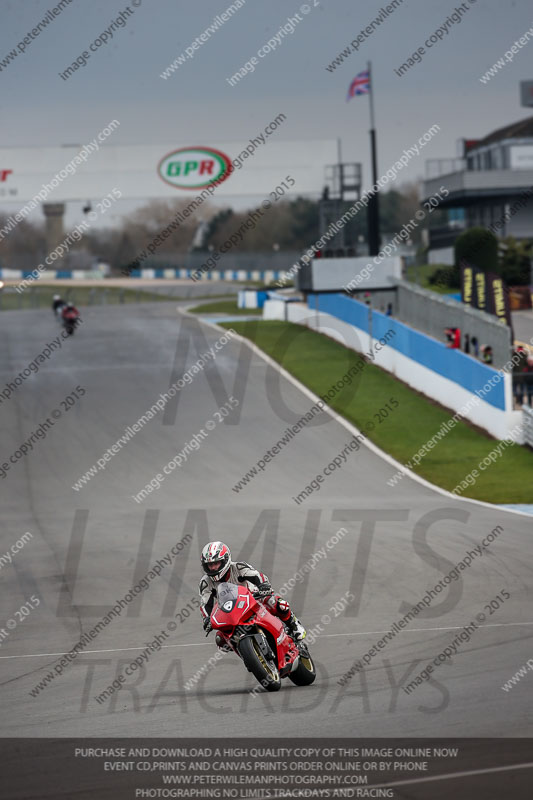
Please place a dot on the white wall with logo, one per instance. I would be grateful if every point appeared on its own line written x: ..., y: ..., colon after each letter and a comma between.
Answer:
x: 134, y: 170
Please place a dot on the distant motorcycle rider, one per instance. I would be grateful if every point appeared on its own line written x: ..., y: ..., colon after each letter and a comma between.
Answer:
x: 218, y: 567
x: 70, y: 316
x: 70, y: 313
x: 57, y: 303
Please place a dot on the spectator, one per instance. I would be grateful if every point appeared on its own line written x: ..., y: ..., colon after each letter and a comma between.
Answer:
x: 529, y: 380
x: 388, y: 312
x: 475, y: 344
x: 467, y: 343
x: 486, y: 354
x: 453, y: 336
x: 520, y: 368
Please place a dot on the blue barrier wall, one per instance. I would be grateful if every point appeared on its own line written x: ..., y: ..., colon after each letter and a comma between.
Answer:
x: 339, y: 305
x: 455, y: 365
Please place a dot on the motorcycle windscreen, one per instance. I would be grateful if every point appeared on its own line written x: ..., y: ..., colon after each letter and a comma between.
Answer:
x: 227, y: 596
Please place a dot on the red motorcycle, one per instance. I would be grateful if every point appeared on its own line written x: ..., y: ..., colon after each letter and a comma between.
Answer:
x: 260, y: 639
x: 70, y: 317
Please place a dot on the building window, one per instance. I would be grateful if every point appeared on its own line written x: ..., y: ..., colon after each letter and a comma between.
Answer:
x: 497, y: 158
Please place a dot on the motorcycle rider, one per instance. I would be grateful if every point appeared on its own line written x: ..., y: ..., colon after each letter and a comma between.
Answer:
x: 70, y: 315
x: 57, y: 303
x: 218, y: 566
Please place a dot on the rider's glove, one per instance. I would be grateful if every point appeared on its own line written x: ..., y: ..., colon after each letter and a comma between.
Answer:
x: 263, y: 590
x: 207, y: 625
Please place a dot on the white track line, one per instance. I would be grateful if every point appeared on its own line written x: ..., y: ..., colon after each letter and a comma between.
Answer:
x: 348, y: 425
x: 419, y: 630
x: 453, y: 775
x: 328, y: 635
x: 450, y: 776
x: 113, y: 650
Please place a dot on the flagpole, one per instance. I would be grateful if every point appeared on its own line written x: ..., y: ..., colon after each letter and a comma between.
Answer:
x: 371, y: 95
x: 373, y: 203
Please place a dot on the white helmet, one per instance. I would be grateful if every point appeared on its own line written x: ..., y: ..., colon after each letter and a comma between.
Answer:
x: 216, y: 560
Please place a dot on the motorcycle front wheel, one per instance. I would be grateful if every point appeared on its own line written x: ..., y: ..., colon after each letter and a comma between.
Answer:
x: 305, y: 672
x: 266, y: 673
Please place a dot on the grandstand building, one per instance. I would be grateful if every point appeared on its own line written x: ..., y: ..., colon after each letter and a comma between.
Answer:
x: 490, y: 184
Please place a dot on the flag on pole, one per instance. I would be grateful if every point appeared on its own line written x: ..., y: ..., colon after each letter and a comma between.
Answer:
x: 359, y: 85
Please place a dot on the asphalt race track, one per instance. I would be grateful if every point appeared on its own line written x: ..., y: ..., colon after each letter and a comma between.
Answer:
x: 90, y: 546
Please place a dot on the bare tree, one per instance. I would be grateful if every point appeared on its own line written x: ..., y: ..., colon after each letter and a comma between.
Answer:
x: 24, y: 247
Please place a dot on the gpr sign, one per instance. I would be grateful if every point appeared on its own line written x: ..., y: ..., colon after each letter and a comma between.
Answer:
x: 240, y: 168
x: 194, y: 167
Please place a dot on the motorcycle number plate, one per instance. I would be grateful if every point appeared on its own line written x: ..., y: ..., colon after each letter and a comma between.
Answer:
x: 227, y: 605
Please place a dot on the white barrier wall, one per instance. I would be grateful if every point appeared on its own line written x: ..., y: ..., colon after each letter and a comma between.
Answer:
x: 495, y: 421
x: 359, y: 273
x: 275, y: 309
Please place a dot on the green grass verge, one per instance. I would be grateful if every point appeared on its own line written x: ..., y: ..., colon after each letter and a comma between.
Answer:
x: 318, y: 362
x: 420, y: 275
x: 224, y: 307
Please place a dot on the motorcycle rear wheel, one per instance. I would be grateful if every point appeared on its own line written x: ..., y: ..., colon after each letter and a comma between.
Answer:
x: 267, y: 674
x: 305, y: 672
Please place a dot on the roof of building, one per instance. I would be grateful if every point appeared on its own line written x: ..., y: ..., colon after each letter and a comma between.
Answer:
x: 522, y: 129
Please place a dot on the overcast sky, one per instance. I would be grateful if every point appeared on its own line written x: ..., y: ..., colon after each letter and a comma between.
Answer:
x: 122, y: 80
